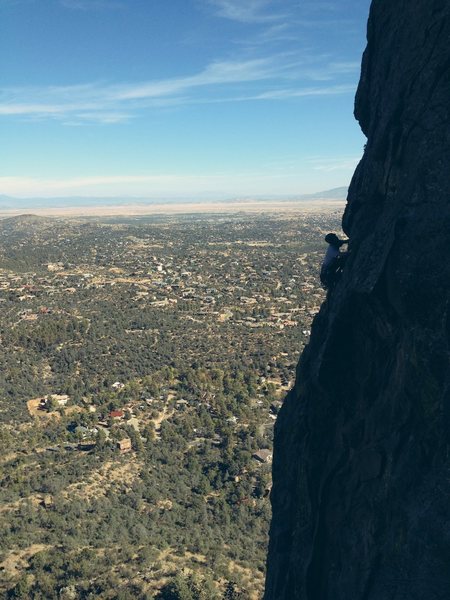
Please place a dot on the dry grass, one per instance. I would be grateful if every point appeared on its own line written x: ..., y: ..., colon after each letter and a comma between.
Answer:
x: 188, y: 563
x: 99, y: 482
x: 252, y: 581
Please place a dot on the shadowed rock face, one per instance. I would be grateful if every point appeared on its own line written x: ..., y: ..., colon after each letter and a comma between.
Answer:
x: 361, y: 496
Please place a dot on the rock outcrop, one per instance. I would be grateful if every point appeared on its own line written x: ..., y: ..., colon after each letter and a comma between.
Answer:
x: 361, y: 495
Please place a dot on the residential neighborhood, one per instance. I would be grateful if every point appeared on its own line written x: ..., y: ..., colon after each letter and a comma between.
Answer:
x: 145, y: 363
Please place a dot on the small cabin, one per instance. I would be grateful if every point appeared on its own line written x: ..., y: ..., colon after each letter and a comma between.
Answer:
x: 263, y: 456
x: 116, y: 414
x: 124, y: 445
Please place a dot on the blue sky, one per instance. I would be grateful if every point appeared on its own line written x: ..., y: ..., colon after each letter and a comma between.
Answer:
x: 179, y: 98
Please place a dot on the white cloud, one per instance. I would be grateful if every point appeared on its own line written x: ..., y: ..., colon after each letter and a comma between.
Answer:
x: 103, y: 99
x: 246, y: 11
x: 150, y: 186
x: 217, y: 73
x: 330, y: 164
x: 286, y: 94
x: 287, y: 175
x: 220, y: 81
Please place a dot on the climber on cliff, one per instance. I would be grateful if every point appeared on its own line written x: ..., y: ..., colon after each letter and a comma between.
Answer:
x: 333, y: 262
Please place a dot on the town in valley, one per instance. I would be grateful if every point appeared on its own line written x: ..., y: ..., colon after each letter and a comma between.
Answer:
x: 144, y: 361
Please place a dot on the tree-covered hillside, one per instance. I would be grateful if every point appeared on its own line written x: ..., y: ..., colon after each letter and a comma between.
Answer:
x: 143, y: 364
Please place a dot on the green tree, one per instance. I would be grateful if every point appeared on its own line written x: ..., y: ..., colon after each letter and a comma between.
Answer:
x: 21, y: 589
x: 177, y: 589
x: 51, y: 405
x: 233, y: 593
x: 101, y: 439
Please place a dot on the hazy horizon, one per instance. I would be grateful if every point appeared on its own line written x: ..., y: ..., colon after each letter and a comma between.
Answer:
x: 333, y: 194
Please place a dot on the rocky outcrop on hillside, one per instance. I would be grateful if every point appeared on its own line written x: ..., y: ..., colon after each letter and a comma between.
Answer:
x: 361, y: 495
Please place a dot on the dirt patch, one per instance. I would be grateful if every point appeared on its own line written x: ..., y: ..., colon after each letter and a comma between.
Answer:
x: 17, y: 560
x: 163, y: 416
x: 70, y: 410
x: 34, y: 410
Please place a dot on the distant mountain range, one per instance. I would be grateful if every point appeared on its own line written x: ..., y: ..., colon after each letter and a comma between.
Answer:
x: 339, y: 193
x: 11, y: 203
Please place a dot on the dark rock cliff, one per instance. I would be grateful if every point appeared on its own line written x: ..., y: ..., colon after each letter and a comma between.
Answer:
x: 361, y: 496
